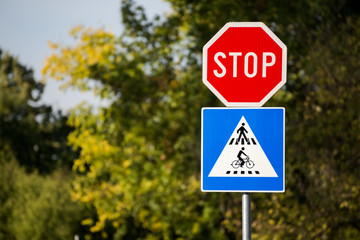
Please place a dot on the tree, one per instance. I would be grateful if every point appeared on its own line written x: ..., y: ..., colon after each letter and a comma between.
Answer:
x: 34, y: 206
x: 139, y: 161
x: 33, y: 141
x: 34, y: 132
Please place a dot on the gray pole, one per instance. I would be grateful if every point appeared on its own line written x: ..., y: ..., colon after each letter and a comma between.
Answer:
x: 246, y: 218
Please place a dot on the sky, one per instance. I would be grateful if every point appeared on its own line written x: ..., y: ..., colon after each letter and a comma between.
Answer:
x: 26, y: 27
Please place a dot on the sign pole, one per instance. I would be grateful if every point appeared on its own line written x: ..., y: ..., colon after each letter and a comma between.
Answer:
x: 246, y: 217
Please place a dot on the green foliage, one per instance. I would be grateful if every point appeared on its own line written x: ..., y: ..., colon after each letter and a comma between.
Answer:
x: 6, y: 190
x: 35, y: 201
x: 139, y: 164
x: 36, y: 135
x: 34, y: 206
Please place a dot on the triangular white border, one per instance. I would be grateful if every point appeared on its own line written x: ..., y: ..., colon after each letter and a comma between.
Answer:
x: 263, y: 166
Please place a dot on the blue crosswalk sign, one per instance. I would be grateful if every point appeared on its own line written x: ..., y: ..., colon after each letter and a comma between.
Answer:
x: 243, y: 150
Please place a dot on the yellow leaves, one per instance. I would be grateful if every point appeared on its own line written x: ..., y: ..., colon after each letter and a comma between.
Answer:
x: 87, y: 221
x: 147, y: 185
x: 75, y: 31
x: 271, y: 222
x: 143, y: 214
x: 79, y: 165
x: 194, y: 183
x: 129, y: 179
x: 120, y: 205
x: 149, y: 221
x: 103, y: 217
x: 98, y: 226
x: 92, y: 146
x: 72, y: 64
x: 174, y: 84
x: 76, y: 192
x: 196, y: 228
x: 126, y: 163
x: 53, y: 46
x: 156, y: 226
x: 347, y: 204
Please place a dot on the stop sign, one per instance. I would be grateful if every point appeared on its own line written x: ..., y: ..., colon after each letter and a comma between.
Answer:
x: 244, y: 64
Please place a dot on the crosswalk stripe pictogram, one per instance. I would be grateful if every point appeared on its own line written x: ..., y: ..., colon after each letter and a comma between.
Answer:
x: 243, y: 142
x: 229, y: 172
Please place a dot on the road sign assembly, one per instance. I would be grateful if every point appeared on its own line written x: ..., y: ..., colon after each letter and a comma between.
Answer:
x: 242, y: 150
x: 244, y: 64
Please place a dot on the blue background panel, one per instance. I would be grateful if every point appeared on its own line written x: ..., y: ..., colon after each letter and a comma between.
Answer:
x: 268, y: 126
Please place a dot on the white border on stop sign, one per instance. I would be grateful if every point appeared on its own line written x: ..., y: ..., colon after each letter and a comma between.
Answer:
x: 284, y: 64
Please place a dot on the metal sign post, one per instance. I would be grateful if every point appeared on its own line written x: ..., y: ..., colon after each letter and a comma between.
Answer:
x: 246, y: 216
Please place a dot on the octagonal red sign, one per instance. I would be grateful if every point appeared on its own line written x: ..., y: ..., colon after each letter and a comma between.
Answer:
x: 244, y: 64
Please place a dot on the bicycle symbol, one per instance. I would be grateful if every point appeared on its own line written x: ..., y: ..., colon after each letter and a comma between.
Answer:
x: 240, y: 162
x: 243, y: 158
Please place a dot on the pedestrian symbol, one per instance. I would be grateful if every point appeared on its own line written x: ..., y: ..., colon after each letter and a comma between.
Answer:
x: 242, y: 156
x: 241, y: 130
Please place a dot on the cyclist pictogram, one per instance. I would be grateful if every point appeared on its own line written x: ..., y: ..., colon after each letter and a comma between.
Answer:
x: 243, y: 160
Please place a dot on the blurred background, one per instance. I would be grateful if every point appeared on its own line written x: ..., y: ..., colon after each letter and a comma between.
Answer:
x: 100, y: 120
